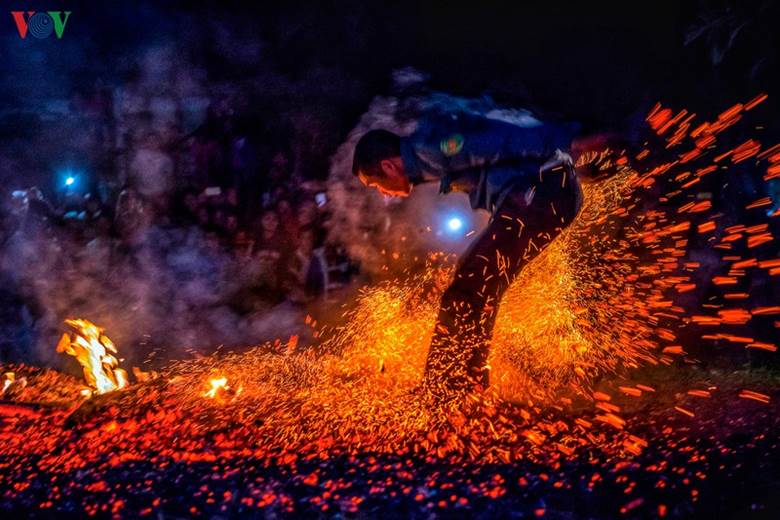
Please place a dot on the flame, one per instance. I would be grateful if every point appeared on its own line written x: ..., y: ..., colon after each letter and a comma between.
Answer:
x: 93, y: 351
x: 217, y: 384
x: 10, y: 377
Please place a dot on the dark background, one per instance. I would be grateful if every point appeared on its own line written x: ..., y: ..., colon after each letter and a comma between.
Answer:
x: 601, y: 63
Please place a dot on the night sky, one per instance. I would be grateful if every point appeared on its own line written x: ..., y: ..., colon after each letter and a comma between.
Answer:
x: 596, y: 62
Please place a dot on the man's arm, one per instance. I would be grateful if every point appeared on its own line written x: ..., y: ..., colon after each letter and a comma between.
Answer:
x: 538, y: 142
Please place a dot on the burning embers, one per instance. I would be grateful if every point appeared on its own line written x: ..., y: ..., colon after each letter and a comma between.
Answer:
x: 218, y: 386
x: 221, y: 391
x: 93, y: 350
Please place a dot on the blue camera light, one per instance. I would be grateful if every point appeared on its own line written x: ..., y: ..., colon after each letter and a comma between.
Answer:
x: 454, y: 224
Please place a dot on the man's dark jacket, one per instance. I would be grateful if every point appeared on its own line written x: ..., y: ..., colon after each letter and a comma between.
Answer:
x: 486, y: 158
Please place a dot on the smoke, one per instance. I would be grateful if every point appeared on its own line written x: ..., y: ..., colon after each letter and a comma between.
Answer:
x: 178, y: 290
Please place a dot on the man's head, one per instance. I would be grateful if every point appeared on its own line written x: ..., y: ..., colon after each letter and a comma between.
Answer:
x: 377, y: 163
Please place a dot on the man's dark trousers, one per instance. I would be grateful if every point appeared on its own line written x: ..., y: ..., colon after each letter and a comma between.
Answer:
x: 525, y: 222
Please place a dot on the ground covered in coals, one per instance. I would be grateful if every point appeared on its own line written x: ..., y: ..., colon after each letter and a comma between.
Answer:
x: 704, y: 445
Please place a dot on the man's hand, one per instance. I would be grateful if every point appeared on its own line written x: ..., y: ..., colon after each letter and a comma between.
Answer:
x: 587, y: 149
x: 560, y: 158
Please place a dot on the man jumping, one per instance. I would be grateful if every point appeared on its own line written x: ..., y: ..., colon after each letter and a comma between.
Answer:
x: 521, y: 175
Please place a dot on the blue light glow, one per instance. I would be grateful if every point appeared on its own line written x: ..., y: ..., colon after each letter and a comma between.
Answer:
x: 70, y: 180
x: 454, y: 224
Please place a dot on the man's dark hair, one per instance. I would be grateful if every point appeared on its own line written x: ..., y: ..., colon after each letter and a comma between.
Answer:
x: 372, y: 149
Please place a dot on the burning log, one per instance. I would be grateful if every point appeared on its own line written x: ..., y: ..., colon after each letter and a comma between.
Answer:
x: 93, y: 350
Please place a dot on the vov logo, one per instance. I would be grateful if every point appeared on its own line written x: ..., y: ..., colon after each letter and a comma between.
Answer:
x: 41, y: 25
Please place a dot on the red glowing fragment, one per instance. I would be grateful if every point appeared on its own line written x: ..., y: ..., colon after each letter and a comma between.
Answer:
x: 684, y: 411
x: 755, y: 101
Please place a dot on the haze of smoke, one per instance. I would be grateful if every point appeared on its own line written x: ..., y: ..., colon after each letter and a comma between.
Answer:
x: 176, y: 292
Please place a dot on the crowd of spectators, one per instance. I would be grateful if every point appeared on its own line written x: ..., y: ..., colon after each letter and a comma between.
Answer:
x: 178, y: 224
